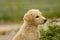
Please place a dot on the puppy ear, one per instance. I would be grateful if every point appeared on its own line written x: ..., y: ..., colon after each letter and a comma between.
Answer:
x: 28, y: 17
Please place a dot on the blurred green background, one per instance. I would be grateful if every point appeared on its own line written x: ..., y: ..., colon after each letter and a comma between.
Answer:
x: 15, y: 9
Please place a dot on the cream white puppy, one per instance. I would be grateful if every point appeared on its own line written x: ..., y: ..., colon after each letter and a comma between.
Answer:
x: 29, y: 29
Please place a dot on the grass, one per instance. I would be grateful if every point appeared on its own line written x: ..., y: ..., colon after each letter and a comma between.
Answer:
x: 52, y: 13
x: 48, y: 14
x: 53, y: 33
x: 14, y: 10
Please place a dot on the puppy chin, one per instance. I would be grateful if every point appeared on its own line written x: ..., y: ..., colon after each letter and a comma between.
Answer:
x: 42, y: 23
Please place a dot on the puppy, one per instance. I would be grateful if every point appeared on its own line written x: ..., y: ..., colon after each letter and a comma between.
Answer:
x: 29, y: 29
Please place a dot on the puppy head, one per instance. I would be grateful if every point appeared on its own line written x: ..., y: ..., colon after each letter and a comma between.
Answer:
x: 34, y: 16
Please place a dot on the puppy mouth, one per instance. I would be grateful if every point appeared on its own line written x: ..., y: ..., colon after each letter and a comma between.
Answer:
x: 44, y: 22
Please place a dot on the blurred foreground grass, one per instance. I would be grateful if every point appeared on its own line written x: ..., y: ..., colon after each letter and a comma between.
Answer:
x: 53, y: 33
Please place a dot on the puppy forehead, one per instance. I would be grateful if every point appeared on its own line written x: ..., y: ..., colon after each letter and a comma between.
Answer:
x: 36, y: 12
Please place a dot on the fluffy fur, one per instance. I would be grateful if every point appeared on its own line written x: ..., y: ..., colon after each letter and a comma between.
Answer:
x: 29, y: 29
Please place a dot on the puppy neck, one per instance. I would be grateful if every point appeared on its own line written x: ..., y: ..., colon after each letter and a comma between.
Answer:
x: 30, y: 23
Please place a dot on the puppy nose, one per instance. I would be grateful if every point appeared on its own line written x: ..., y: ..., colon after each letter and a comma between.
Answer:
x: 45, y: 20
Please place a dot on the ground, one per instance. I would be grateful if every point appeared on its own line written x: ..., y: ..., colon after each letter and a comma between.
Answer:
x: 12, y: 28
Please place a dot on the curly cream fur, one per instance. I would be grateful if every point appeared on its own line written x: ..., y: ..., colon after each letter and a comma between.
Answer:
x: 29, y: 29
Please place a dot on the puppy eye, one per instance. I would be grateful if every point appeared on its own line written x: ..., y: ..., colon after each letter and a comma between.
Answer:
x: 37, y: 16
